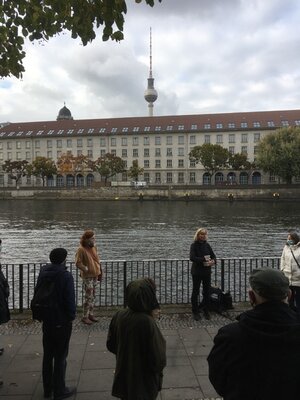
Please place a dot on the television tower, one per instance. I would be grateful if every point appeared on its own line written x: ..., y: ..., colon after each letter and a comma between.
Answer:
x: 150, y: 93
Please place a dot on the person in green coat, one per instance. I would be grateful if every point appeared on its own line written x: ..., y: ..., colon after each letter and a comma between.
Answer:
x: 138, y: 344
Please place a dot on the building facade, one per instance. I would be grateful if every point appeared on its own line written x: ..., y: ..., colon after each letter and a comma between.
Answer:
x: 161, y: 144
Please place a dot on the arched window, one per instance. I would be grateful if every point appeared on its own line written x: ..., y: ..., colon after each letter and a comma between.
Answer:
x: 231, y: 178
x: 59, y: 180
x: 50, y: 181
x: 206, y: 179
x: 256, y: 178
x: 90, y: 179
x: 79, y: 180
x: 219, y: 178
x: 70, y: 180
x: 244, y: 178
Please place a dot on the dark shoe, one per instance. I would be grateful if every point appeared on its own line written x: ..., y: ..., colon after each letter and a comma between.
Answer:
x: 92, y: 318
x: 87, y: 321
x: 68, y: 392
x: 196, y: 316
x: 206, y: 314
x: 1, y: 351
x: 1, y: 383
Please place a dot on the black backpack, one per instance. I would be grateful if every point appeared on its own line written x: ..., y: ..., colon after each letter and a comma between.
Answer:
x: 219, y: 301
x: 44, y: 304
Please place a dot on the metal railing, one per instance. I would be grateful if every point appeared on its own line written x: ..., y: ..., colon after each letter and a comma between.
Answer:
x: 172, y: 277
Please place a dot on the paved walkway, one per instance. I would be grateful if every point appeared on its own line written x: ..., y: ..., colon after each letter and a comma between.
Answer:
x: 91, y: 366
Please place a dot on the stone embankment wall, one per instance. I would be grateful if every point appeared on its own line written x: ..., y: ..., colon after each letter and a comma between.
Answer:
x: 186, y: 193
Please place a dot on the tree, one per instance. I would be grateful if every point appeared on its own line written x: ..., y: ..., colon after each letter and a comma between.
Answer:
x: 213, y: 157
x: 42, y: 167
x: 108, y: 165
x: 15, y: 169
x: 69, y: 164
x: 239, y: 162
x: 134, y: 171
x: 41, y: 20
x: 279, y: 153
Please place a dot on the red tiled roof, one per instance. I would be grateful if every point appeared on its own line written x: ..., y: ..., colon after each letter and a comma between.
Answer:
x: 181, y: 123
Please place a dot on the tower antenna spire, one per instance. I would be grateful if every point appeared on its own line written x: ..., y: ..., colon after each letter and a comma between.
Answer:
x: 150, y: 93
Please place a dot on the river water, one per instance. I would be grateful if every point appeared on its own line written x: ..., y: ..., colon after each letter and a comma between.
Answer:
x: 132, y: 230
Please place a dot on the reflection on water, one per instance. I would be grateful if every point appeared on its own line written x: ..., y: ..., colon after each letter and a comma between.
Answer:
x: 134, y: 230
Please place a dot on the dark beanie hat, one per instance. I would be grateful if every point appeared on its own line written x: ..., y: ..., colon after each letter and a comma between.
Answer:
x: 58, y: 256
x: 269, y: 283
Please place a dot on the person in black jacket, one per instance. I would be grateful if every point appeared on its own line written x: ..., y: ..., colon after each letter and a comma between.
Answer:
x: 258, y: 357
x: 4, y: 310
x: 203, y: 257
x: 57, y: 326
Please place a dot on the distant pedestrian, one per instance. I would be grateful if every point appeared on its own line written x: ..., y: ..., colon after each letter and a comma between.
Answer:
x: 88, y: 262
x: 290, y: 265
x: 138, y: 344
x: 4, y: 310
x: 57, y: 325
x: 203, y: 258
x: 258, y: 357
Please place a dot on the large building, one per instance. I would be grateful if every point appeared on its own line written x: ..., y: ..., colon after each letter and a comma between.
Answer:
x: 161, y: 144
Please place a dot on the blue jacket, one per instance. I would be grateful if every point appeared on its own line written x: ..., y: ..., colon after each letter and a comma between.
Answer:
x: 64, y: 290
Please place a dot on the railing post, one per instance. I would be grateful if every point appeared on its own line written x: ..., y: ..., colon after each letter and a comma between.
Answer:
x: 124, y: 282
x: 222, y: 275
x: 21, y: 308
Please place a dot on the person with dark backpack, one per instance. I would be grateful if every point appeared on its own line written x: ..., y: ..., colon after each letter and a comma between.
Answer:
x: 54, y: 304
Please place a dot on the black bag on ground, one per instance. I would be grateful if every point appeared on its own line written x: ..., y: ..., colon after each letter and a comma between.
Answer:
x: 44, y: 302
x: 219, y: 301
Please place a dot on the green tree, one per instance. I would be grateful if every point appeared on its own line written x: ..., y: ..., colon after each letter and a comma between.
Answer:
x: 134, y: 171
x: 108, y: 165
x: 279, y: 153
x: 213, y: 157
x: 42, y: 167
x: 69, y: 164
x: 40, y: 20
x: 239, y: 161
x: 15, y: 169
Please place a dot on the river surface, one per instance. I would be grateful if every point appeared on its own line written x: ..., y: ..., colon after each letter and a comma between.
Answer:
x: 132, y: 230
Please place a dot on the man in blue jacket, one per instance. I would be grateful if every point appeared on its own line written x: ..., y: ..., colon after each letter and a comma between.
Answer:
x: 57, y: 326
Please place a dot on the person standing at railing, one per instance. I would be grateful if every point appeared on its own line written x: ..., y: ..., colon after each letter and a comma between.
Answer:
x: 88, y: 262
x: 4, y: 310
x: 258, y: 357
x: 138, y: 344
x: 203, y: 257
x: 290, y: 266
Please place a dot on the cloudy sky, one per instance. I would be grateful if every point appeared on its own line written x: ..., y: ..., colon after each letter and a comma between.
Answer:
x: 209, y: 56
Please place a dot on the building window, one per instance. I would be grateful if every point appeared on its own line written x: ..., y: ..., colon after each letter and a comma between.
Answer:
x: 147, y: 177
x: 90, y: 142
x: 181, y: 151
x: 219, y: 126
x: 113, y: 152
x: 124, y: 141
x: 192, y: 163
x: 125, y: 129
x: 147, y: 129
x: 207, y: 139
x: 180, y: 127
x: 231, y: 138
x: 157, y: 177
x: 157, y: 152
x: 244, y: 125
x: 271, y: 124
x: 285, y: 123
x: 180, y: 139
x: 169, y: 151
x: 169, y: 163
x: 37, y: 144
x: 135, y: 141
x: 79, y: 153
x: 90, y: 153
x: 231, y: 125
x: 102, y: 152
x: 180, y: 177
x: 169, y: 127
x: 49, y: 144
x: 28, y: 155
x: 146, y: 141
x: 180, y: 163
x: 9, y: 155
x: 192, y: 177
x: 146, y: 152
x: 206, y: 126
x: 18, y: 155
x: 28, y: 145
x: 157, y: 164
x: 113, y: 141
x: 157, y: 140
x: 169, y: 177
x: 146, y: 163
x: 256, y: 137
x: 244, y: 150
x: 135, y: 153
x: 102, y: 142
x: 18, y: 145
x: 255, y: 150
x: 124, y: 153
x: 59, y: 144
x: 231, y: 149
x: 256, y: 124
x: 79, y: 142
x: 136, y: 129
x: 169, y: 139
x: 69, y: 143
x: 219, y: 139
x: 193, y: 139
x: 157, y: 128
x: 244, y: 138
x: 194, y: 127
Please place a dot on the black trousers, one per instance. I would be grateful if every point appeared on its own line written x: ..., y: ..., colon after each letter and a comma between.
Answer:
x: 295, y: 297
x: 203, y: 276
x: 56, y: 347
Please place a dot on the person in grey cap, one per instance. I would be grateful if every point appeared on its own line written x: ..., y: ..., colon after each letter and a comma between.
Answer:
x: 258, y: 357
x: 57, y: 326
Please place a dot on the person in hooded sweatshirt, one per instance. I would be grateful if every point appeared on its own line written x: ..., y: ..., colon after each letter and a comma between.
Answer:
x: 203, y: 258
x: 138, y: 344
x: 290, y: 266
x: 57, y: 326
x: 258, y: 357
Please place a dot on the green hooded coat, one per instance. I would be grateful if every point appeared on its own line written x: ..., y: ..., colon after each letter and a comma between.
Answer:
x: 138, y: 344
